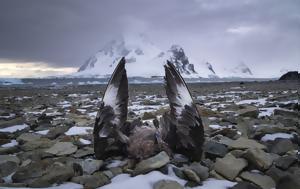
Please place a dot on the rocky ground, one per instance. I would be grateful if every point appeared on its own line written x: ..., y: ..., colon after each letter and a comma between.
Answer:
x: 252, y: 138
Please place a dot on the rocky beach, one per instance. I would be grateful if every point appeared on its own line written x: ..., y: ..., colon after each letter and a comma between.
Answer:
x: 252, y: 138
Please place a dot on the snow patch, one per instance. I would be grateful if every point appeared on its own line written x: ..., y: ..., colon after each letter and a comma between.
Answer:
x: 14, y: 128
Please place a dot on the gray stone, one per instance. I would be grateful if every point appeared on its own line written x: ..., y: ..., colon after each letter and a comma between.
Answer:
x: 285, y: 162
x: 289, y: 181
x: 57, y: 131
x: 35, y: 144
x: 200, y: 170
x: 262, y: 129
x: 89, y: 166
x: 5, y: 158
x: 91, y: 181
x: 244, y: 143
x: 152, y: 163
x: 85, y: 151
x: 9, y: 150
x: 264, y: 181
x: 248, y: 111
x: 56, y: 173
x: 167, y: 184
x: 179, y: 173
x: 259, y: 158
x: 34, y: 155
x: 213, y: 149
x: 8, y: 167
x: 229, y: 166
x: 191, y: 175
x: 245, y: 185
x: 286, y: 113
x: 62, y: 148
x: 27, y: 137
x: 276, y: 174
x: 281, y: 146
x: 31, y: 171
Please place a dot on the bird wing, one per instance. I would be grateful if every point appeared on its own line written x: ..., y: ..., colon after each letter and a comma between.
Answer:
x: 113, y: 111
x: 184, y: 115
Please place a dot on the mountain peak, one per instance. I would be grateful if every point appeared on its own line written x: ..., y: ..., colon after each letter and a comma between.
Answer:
x: 143, y: 59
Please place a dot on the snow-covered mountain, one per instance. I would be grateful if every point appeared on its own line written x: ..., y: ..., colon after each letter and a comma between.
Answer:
x: 143, y: 59
x: 241, y: 70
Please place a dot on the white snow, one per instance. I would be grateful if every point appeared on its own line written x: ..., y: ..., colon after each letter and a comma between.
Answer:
x: 260, y: 101
x: 143, y: 57
x: 266, y: 111
x: 44, y: 132
x: 11, y: 144
x: 79, y: 130
x: 114, y: 163
x: 93, y: 114
x: 215, y: 127
x: 147, y: 181
x: 86, y: 142
x: 14, y: 128
x: 268, y: 137
x: 8, y: 116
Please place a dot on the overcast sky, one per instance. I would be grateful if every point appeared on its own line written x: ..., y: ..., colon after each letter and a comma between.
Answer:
x: 265, y: 34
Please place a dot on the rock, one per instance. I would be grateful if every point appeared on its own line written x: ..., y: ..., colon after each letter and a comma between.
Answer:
x: 281, y: 146
x: 167, y: 184
x: 85, y: 151
x: 259, y: 158
x: 6, y: 158
x: 9, y: 150
x: 276, y: 174
x: 62, y: 148
x: 13, y: 185
x: 264, y: 181
x: 12, y: 122
x: 286, y: 113
x: 244, y: 143
x: 152, y: 163
x: 89, y: 166
x: 229, y: 166
x: 31, y: 171
x: 213, y: 149
x: 57, y: 131
x: 248, y: 111
x: 260, y: 130
x: 291, y: 75
x: 28, y: 137
x: 179, y: 173
x: 91, y: 181
x: 116, y: 171
x: 289, y: 181
x: 34, y: 155
x: 57, y: 173
x: 8, y: 165
x: 179, y: 160
x: 39, y: 143
x: 148, y: 115
x: 7, y: 168
x: 245, y: 185
x: 191, y: 175
x: 200, y: 170
x: 285, y: 162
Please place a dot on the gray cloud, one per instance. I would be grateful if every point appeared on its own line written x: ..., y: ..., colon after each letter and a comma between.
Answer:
x: 67, y: 32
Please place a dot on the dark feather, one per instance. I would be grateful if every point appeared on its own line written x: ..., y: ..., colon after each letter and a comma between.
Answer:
x: 112, y: 113
x: 185, y: 117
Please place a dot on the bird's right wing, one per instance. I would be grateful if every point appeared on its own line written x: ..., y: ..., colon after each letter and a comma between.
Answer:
x: 113, y: 111
x: 184, y: 115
